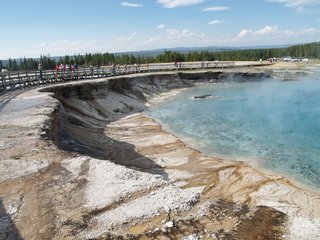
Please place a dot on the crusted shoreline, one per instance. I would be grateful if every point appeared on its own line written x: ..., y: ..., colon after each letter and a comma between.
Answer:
x: 114, y: 173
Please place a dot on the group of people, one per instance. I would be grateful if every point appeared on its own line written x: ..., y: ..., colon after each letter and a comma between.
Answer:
x: 66, y: 67
x: 62, y: 69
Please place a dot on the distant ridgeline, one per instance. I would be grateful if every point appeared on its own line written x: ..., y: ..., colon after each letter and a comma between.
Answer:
x: 310, y: 50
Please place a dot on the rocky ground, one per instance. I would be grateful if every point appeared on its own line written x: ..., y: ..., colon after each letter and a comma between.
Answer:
x: 81, y: 161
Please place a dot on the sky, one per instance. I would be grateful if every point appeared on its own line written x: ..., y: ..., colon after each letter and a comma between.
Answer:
x: 31, y: 28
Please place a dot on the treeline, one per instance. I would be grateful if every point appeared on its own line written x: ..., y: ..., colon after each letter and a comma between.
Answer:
x: 28, y: 63
x: 310, y: 50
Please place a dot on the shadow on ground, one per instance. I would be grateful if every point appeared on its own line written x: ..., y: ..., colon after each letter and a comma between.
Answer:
x: 8, y: 229
x: 80, y: 133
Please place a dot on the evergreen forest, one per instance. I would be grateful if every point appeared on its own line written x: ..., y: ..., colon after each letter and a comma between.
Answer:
x: 309, y: 50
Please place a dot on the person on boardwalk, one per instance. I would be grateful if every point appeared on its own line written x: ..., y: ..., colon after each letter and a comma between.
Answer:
x: 91, y: 69
x: 57, y: 70
x: 4, y: 73
x: 40, y: 70
x: 113, y: 69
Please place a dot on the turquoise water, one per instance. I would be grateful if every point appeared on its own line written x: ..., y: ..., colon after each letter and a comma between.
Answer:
x: 275, y: 122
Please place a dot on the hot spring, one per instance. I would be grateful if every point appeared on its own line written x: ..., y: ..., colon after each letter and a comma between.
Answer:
x: 273, y: 123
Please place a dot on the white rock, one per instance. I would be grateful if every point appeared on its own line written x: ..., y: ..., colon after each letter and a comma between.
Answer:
x: 191, y: 237
x: 12, y: 209
x: 169, y: 224
x: 11, y: 169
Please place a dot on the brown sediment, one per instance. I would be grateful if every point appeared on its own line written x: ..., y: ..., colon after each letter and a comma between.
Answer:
x: 222, y: 220
x: 218, y: 220
x: 115, y: 174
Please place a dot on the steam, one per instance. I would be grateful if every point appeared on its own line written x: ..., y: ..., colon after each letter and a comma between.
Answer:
x: 275, y: 121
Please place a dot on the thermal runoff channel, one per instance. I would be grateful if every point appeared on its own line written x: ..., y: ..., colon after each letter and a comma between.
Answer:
x: 276, y: 123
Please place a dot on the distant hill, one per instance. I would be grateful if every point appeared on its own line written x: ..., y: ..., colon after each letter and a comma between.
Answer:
x: 155, y: 52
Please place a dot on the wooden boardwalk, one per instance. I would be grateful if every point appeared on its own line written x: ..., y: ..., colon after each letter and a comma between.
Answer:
x: 24, y: 79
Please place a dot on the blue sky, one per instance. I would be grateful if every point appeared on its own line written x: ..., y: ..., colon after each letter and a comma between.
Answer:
x: 33, y: 27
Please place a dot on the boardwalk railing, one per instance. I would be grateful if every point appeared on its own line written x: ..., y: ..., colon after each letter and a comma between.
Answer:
x: 23, y: 79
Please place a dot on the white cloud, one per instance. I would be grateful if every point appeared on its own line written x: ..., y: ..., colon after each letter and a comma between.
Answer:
x: 178, y: 3
x: 183, y: 37
x: 166, y: 38
x: 161, y: 26
x: 62, y: 47
x: 298, y: 4
x: 132, y: 36
x: 309, y: 30
x: 172, y: 37
x: 244, y: 33
x: 152, y: 40
x: 42, y: 44
x: 267, y: 35
x: 267, y: 30
x: 130, y: 42
x: 273, y: 35
x: 288, y: 33
x: 274, y: 32
x: 180, y: 33
x: 215, y: 9
x: 215, y: 22
x: 133, y: 5
x: 303, y: 33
